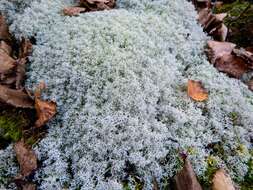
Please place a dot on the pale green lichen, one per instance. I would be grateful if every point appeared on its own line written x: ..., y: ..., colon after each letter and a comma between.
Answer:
x: 119, y: 79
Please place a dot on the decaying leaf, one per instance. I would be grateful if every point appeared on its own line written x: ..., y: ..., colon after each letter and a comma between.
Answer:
x: 98, y: 5
x: 20, y: 73
x: 232, y: 65
x: 16, y: 98
x: 7, y: 63
x: 26, y: 157
x: 4, y: 30
x: 222, y: 181
x: 25, y: 48
x: 45, y: 111
x: 218, y: 49
x: 29, y: 186
x: 245, y: 55
x: 186, y: 178
x: 155, y: 184
x: 5, y: 47
x: 220, y: 33
x: 73, y: 11
x: 196, y: 91
x: 97, y: 1
x: 250, y: 84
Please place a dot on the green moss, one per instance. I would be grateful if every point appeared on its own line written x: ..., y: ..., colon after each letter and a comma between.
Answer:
x: 248, y: 179
x: 239, y: 21
x: 212, y: 167
x: 11, y: 124
x: 233, y: 9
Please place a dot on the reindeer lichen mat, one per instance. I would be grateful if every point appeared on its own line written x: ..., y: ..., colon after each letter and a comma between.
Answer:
x: 119, y: 79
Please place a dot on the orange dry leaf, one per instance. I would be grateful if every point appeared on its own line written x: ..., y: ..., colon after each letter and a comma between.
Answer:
x: 45, y: 111
x: 26, y: 157
x: 196, y: 91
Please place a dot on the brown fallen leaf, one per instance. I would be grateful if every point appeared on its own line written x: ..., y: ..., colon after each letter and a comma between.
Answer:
x: 16, y: 98
x: 5, y: 47
x: 220, y: 33
x: 186, y: 178
x: 26, y: 157
x: 98, y: 5
x: 4, y: 30
x: 218, y: 49
x: 245, y: 55
x: 25, y: 48
x: 29, y: 186
x: 45, y: 110
x: 20, y: 73
x: 222, y: 181
x: 73, y: 11
x: 232, y: 65
x: 155, y: 184
x: 250, y: 84
x: 201, y: 4
x: 97, y: 1
x: 196, y: 91
x: 7, y: 64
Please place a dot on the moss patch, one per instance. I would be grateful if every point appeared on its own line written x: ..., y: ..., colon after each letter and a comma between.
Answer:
x: 239, y: 21
x: 11, y: 124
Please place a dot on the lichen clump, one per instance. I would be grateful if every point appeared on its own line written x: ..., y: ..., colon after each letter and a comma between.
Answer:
x: 119, y: 78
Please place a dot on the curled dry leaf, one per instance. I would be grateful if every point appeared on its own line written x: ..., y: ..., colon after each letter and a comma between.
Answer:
x: 26, y: 157
x: 45, y: 111
x: 29, y: 186
x: 73, y: 11
x: 196, y: 91
x: 245, y: 55
x: 222, y: 181
x: 220, y: 33
x: 155, y: 184
x: 186, y: 178
x: 20, y: 73
x: 5, y: 48
x: 232, y: 65
x: 250, y: 84
x: 4, y: 30
x: 7, y: 63
x: 16, y: 98
x: 218, y: 49
x: 97, y: 1
x: 25, y: 48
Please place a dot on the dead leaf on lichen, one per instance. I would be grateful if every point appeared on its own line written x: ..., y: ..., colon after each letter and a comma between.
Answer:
x: 222, y: 181
x: 73, y: 11
x: 26, y: 157
x: 45, y: 109
x: 7, y: 64
x: 231, y: 65
x: 186, y: 178
x: 196, y: 91
x: 16, y: 98
x: 218, y: 49
x: 25, y: 48
x: 5, y: 48
x: 4, y: 30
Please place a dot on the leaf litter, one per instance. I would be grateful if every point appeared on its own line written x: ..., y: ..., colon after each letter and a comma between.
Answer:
x: 13, y: 94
